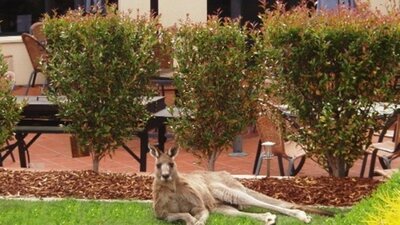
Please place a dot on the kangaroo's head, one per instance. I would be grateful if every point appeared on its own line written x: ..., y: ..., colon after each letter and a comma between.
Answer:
x: 165, y: 163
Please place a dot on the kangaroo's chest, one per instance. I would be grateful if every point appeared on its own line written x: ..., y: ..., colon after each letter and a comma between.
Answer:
x: 181, y: 199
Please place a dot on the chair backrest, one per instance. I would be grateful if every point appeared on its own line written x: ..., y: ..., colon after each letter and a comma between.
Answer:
x: 164, y: 58
x: 36, y: 30
x: 36, y: 50
x: 270, y: 131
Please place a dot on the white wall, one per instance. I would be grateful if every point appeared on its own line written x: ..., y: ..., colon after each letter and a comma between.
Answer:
x: 21, y: 64
x: 135, y: 6
x: 381, y: 5
x: 172, y: 11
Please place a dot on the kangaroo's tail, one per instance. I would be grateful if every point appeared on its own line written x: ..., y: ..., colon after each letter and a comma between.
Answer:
x: 288, y: 205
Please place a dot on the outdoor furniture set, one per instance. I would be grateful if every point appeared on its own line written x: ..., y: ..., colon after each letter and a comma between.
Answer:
x: 39, y: 116
x: 272, y: 143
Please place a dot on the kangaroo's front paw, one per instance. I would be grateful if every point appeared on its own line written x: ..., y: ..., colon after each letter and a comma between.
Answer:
x: 199, y: 223
x: 269, y: 218
x: 192, y: 221
x: 301, y: 215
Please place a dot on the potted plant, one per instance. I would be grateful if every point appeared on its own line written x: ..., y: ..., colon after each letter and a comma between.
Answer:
x: 218, y: 81
x: 330, y: 68
x: 99, y: 68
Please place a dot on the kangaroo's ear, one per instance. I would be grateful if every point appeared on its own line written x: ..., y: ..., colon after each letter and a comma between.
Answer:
x: 173, y: 152
x: 154, y: 151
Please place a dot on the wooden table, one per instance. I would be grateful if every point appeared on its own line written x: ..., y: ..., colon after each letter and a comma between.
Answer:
x: 40, y: 116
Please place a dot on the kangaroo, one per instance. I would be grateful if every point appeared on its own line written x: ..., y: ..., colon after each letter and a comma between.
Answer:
x: 191, y: 197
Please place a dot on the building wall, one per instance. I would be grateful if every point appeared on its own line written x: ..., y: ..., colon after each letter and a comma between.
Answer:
x: 171, y: 11
x: 135, y: 6
x: 21, y: 64
x: 381, y: 5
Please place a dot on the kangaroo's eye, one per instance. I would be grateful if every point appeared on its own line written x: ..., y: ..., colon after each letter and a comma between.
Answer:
x: 171, y: 165
x: 158, y: 165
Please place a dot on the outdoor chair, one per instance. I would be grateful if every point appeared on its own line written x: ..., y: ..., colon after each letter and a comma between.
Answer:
x: 163, y: 79
x: 37, y: 53
x: 164, y: 74
x: 387, y: 173
x: 36, y: 30
x: 289, y: 150
x: 385, y: 151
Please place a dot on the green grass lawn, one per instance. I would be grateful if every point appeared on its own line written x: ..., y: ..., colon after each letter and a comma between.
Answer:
x: 18, y: 212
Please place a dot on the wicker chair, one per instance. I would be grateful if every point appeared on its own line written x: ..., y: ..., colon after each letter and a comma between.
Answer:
x: 36, y: 30
x: 163, y: 79
x: 385, y: 151
x: 291, y: 151
x: 37, y: 53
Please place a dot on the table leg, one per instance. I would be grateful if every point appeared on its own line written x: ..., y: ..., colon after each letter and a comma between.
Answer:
x: 9, y: 148
x: 144, y: 142
x: 258, y: 153
x: 281, y: 169
x: 364, y: 164
x: 372, y: 164
x: 21, y: 149
x: 162, y: 129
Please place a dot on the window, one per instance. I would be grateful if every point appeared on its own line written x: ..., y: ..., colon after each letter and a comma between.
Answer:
x: 16, y: 16
x: 221, y: 6
x: 248, y: 10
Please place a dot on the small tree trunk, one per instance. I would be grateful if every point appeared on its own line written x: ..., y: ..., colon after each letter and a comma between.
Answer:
x: 338, y: 166
x: 211, y: 161
x: 96, y: 161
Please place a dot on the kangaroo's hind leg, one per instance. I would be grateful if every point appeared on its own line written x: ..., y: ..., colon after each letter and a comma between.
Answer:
x: 241, y: 198
x: 268, y: 218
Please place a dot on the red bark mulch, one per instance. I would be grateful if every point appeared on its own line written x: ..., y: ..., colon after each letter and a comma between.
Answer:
x: 89, y: 185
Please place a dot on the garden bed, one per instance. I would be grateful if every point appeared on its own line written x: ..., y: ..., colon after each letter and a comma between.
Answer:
x: 327, y: 191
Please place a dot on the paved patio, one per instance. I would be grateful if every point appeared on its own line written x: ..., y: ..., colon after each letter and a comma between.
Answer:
x: 53, y: 152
